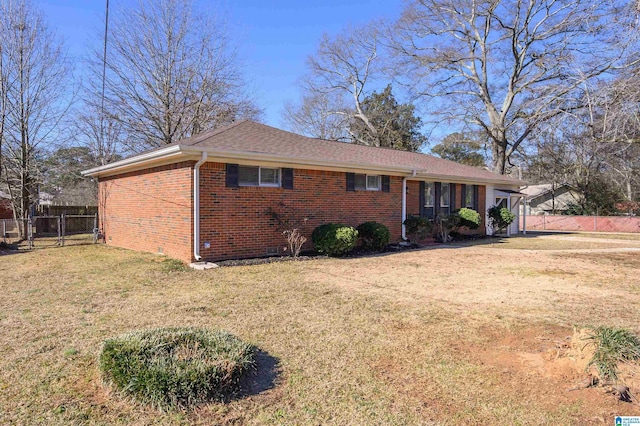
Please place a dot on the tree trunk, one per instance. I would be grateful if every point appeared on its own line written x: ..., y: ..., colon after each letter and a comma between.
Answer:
x: 499, y: 157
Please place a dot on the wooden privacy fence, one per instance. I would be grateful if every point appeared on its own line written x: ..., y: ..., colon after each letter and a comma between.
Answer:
x: 583, y: 223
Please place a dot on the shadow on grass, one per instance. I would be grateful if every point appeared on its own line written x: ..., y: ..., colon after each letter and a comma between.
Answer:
x: 9, y: 248
x: 263, y: 378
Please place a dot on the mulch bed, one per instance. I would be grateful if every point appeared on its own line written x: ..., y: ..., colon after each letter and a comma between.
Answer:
x: 355, y: 253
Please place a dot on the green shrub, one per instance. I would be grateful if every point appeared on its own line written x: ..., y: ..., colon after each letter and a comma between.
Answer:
x: 612, y: 346
x: 176, y: 367
x: 417, y: 227
x: 334, y: 239
x: 469, y: 218
x: 500, y: 217
x: 375, y: 236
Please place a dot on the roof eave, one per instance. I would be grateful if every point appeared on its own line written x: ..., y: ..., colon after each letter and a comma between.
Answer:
x: 170, y: 153
x: 132, y: 162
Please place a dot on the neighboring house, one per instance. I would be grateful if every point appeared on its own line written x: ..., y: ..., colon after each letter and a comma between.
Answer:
x: 6, y: 211
x: 549, y: 198
x: 225, y: 194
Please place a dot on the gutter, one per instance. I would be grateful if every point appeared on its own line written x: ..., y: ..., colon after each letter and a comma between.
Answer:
x: 196, y: 206
x: 404, y: 204
x: 153, y: 155
x: 233, y: 156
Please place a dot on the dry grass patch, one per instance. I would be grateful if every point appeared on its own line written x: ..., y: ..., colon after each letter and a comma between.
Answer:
x: 423, y: 337
x: 552, y: 242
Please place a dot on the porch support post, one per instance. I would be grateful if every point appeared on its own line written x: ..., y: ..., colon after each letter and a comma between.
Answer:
x: 510, y: 209
x: 524, y: 216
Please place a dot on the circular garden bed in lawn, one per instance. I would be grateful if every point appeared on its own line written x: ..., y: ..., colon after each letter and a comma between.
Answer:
x: 176, y: 367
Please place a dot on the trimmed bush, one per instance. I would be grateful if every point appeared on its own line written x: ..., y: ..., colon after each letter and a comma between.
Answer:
x: 417, y: 227
x: 469, y: 218
x: 500, y: 218
x: 375, y: 236
x: 334, y: 239
x: 176, y: 367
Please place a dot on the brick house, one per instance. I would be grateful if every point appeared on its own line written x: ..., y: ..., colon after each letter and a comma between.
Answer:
x: 229, y: 193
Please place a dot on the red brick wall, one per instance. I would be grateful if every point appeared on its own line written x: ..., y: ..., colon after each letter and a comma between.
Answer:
x: 150, y: 210
x: 413, y: 203
x: 6, y: 212
x: 236, y: 221
x: 413, y: 198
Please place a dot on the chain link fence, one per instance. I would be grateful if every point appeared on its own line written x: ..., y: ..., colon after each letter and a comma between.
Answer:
x: 547, y: 222
x: 9, y: 230
x: 48, y: 231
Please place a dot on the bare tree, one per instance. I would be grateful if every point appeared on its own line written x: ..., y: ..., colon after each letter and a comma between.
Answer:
x: 171, y: 72
x: 36, y: 75
x: 336, y: 85
x: 319, y: 115
x: 508, y: 66
x: 614, y: 123
x: 595, y: 149
x: 101, y: 133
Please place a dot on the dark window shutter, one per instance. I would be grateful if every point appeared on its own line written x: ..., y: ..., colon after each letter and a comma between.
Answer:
x: 351, y: 182
x: 422, y: 200
x: 287, y: 178
x: 232, y: 175
x: 386, y: 183
x: 436, y: 202
x: 463, y: 195
x: 452, y: 197
x: 476, y: 204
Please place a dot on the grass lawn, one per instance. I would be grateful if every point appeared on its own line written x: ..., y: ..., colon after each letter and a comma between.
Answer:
x: 436, y: 336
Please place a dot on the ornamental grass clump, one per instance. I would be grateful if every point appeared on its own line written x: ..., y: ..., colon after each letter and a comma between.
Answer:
x: 612, y: 346
x: 176, y: 367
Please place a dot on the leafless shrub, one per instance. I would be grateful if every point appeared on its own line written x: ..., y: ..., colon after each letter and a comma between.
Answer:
x: 295, y: 241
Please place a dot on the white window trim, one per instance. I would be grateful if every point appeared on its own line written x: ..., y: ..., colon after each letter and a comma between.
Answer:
x: 377, y: 187
x: 366, y: 183
x: 260, y: 183
x: 448, y: 192
x: 269, y: 184
x: 433, y: 195
x: 468, y: 202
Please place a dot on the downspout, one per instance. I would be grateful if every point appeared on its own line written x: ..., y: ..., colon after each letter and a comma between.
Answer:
x: 196, y: 206
x: 404, y: 204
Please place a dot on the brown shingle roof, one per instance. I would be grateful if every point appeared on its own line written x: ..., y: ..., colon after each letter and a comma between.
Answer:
x: 251, y: 140
x: 252, y: 137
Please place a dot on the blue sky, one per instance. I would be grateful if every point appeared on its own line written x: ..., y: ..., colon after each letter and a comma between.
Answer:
x: 275, y: 37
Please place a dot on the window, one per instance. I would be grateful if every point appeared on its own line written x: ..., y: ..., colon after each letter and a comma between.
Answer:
x: 258, y: 176
x: 429, y: 191
x: 468, y: 197
x: 444, y: 195
x: 269, y: 177
x: 373, y: 183
x: 367, y: 182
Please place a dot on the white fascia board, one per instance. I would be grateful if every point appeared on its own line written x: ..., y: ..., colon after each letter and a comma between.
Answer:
x: 225, y: 156
x: 132, y: 162
x: 166, y: 155
x: 459, y: 179
x: 296, y: 162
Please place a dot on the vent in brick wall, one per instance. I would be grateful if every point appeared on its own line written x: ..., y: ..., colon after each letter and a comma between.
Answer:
x: 272, y: 251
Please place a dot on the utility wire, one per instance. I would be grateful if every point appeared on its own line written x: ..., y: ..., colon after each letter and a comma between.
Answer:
x: 104, y: 78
